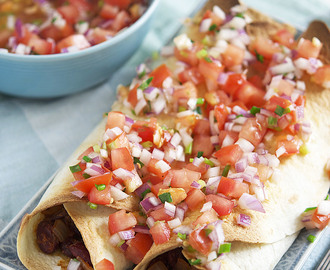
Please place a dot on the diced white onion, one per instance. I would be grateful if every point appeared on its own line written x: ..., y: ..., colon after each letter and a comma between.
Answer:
x: 245, y: 145
x: 145, y: 156
x: 219, y: 12
x: 174, y: 223
x: 183, y: 42
x: 324, y: 208
x: 280, y: 151
x: 117, y: 194
x: 163, y: 166
x: 206, y: 207
x: 205, y: 25
x: 212, y: 172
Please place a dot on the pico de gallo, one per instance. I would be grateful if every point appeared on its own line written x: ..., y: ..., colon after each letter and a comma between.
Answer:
x: 62, y: 26
x: 235, y: 106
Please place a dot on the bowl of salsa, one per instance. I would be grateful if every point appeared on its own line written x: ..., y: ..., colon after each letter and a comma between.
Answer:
x: 60, y: 47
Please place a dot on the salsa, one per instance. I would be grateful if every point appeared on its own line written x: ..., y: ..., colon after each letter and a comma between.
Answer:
x: 227, y: 131
x: 38, y: 27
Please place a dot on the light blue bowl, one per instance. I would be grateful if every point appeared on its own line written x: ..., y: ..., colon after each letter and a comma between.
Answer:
x: 48, y: 76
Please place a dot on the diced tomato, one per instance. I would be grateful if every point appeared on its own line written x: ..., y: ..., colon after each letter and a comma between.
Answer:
x: 104, y: 265
x: 115, y: 119
x: 100, y: 196
x: 202, y: 127
x: 153, y: 168
x: 177, y: 194
x: 189, y: 56
x: 86, y: 185
x: 264, y: 47
x: 233, y: 83
x: 199, y: 241
x: 121, y: 158
x: 221, y: 205
x: 207, y: 217
x: 186, y: 121
x: 160, y: 232
x: 5, y: 34
x: 320, y: 221
x: 132, y: 96
x: 229, y: 154
x: 224, y: 133
x: 285, y: 87
x: 81, y: 5
x: 275, y: 101
x: 254, y: 130
x: 156, y: 187
x: 202, y: 143
x: 145, y: 129
x: 77, y: 40
x: 202, y: 168
x: 122, y: 20
x: 284, y: 37
x: 159, y: 74
x: 195, y: 199
x: 233, y: 56
x: 238, y: 103
x: 300, y: 101
x: 119, y: 142
x: 308, y: 49
x: 210, y: 70
x: 291, y: 147
x: 186, y: 91
x: 160, y: 215
x: 69, y: 12
x: 154, y: 179
x: 40, y: 46
x: 100, y: 35
x: 109, y: 11
x: 183, y: 178
x: 322, y: 76
x: 211, y: 15
x: 79, y: 175
x: 232, y: 188
x: 120, y: 221
x: 138, y: 247
x: 86, y: 153
x: 250, y: 95
x: 221, y: 113
x: 191, y: 74
x: 256, y: 81
x: 122, y: 4
x: 55, y: 33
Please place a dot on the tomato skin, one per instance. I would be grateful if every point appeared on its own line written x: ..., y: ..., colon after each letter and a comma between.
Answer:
x: 207, y: 217
x: 195, y: 199
x: 120, y: 221
x: 160, y: 232
x: 183, y: 178
x: 152, y: 168
x: 256, y: 81
x: 188, y: 56
x: 229, y: 154
x: 74, y: 40
x: 254, y: 130
x: 233, y: 56
x: 70, y: 13
x: 199, y: 241
x: 224, y: 133
x: 160, y: 215
x: 291, y: 147
x: 132, y: 96
x: 307, y: 49
x: 86, y: 185
x: 121, y: 158
x: 221, y: 113
x: 138, y: 247
x: 264, y: 47
x: 55, y: 33
x: 221, y: 205
x: 320, y: 221
x: 186, y: 91
x: 284, y: 37
x: 102, y: 197
x: 122, y: 4
x: 159, y: 74
x: 250, y: 95
x: 284, y: 87
x: 191, y: 74
x: 203, y: 144
x: 104, y: 265
x: 109, y: 11
x: 233, y: 83
x: 40, y: 46
x: 115, y: 119
x: 322, y: 75
x: 145, y: 129
x: 119, y: 142
x: 272, y: 103
x: 232, y: 188
x: 210, y: 71
x: 202, y: 127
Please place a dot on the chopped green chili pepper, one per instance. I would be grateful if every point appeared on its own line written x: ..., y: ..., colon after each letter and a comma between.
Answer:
x: 200, y: 154
x: 226, y: 170
x: 75, y: 168
x: 188, y: 148
x: 194, y: 261
x: 309, y: 209
x: 311, y: 238
x: 182, y: 236
x: 145, y: 84
x: 92, y: 205
x: 254, y: 110
x: 87, y: 159
x: 279, y: 110
x: 100, y: 187
x: 224, y: 248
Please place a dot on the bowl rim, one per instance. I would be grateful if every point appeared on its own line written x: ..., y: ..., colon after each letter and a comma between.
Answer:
x: 98, y: 47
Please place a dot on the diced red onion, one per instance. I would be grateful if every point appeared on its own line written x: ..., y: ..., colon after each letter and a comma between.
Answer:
x: 241, y: 164
x: 228, y: 140
x: 78, y: 193
x: 127, y: 234
x: 259, y: 192
x: 253, y: 158
x: 206, y: 207
x: 150, y: 222
x: 300, y: 112
x: 219, y: 12
x: 94, y: 169
x: 217, y: 235
x: 283, y: 122
x: 141, y: 229
x: 134, y: 138
x: 112, y: 133
x: 174, y: 223
x: 154, y: 201
x: 324, y: 208
x: 146, y: 205
x: 196, y: 185
x: 198, y: 161
x: 179, y: 213
x: 142, y: 188
x: 151, y: 93
x: 170, y: 209
x: 124, y: 247
x: 247, y: 201
x: 229, y: 126
x: 97, y: 160
x: 222, y: 78
x: 212, y: 185
x: 243, y: 220
x: 214, y: 265
x: 140, y: 105
x: 159, y: 104
x: 267, y: 112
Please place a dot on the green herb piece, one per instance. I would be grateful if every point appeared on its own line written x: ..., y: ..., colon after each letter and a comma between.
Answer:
x: 165, y: 197
x: 141, y: 75
x: 272, y: 121
x: 54, y: 19
x: 188, y: 149
x: 309, y: 209
x: 120, y: 243
x: 147, y: 144
x: 311, y: 238
x: 92, y: 205
x: 87, y: 158
x: 86, y: 175
x: 240, y: 15
x: 75, y: 168
x: 226, y: 170
x: 182, y: 236
x: 213, y: 27
x: 100, y: 187
x: 191, y: 160
x: 224, y: 248
x: 138, y: 161
x: 279, y: 110
x: 145, y: 84
x: 303, y: 150
x: 200, y: 101
x: 181, y: 109
x: 239, y: 115
x: 81, y: 22
x: 254, y: 110
x: 194, y: 261
x: 327, y: 197
x: 144, y: 193
x: 199, y: 110
x: 190, y: 249
x: 200, y: 154
x: 133, y: 112
x: 260, y: 58
x: 208, y: 59
x: 207, y: 231
x: 96, y: 148
x: 208, y: 162
x: 287, y: 110
x: 201, y: 53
